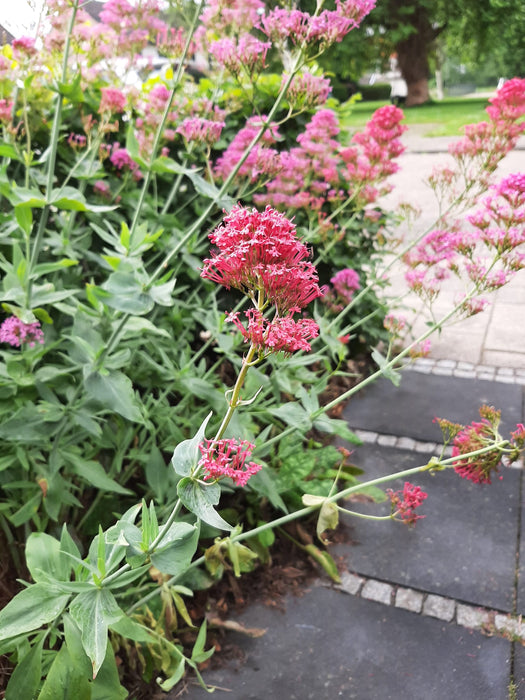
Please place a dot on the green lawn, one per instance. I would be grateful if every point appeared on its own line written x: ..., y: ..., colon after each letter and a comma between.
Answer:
x: 444, y: 118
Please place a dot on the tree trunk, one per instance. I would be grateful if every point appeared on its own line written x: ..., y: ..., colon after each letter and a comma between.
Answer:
x: 413, y: 51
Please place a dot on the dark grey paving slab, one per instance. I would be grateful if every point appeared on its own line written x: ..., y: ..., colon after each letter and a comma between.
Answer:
x: 519, y: 670
x: 521, y: 570
x: 465, y: 547
x: 409, y: 410
x: 329, y: 645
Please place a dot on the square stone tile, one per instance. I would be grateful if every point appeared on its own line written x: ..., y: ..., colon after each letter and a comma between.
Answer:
x: 409, y: 410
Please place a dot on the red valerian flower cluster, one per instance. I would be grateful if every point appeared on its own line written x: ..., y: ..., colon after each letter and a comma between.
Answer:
x: 283, y: 334
x: 480, y: 435
x: 498, y: 224
x: 475, y: 436
x: 406, y: 501
x: 16, y: 332
x: 227, y: 458
x: 260, y: 255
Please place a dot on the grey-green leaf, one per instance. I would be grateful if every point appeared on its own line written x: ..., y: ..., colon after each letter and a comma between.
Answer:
x: 114, y: 391
x: 30, y: 609
x: 93, y: 612
x: 200, y: 498
x: 187, y: 454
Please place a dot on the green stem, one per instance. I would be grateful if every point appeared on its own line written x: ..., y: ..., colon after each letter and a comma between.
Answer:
x: 160, y: 131
x: 53, y: 148
x: 307, y: 510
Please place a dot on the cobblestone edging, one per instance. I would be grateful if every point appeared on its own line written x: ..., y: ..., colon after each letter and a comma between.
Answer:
x: 432, y: 605
x: 467, y: 370
x: 369, y: 437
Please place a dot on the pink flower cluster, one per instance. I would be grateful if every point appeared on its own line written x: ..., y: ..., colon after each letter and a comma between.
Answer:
x: 6, y: 111
x: 406, y: 501
x: 16, y: 333
x: 23, y: 47
x: 379, y: 145
x: 77, y: 141
x: 283, y: 334
x: 321, y: 30
x: 232, y: 14
x: 259, y: 254
x: 488, y: 255
x: 134, y: 24
x: 112, y: 101
x: 345, y: 283
x: 171, y: 42
x: 201, y: 130
x: 320, y: 170
x: 484, y: 144
x: 245, y: 55
x: 228, y: 458
x: 476, y: 436
x: 261, y: 161
x: 307, y: 91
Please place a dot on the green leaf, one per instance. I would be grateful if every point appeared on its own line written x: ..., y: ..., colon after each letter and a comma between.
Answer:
x: 93, y: 612
x: 162, y: 294
x: 177, y: 550
x: 325, y: 561
x: 24, y: 197
x: 46, y: 268
x: 328, y: 518
x: 139, y: 327
x: 200, y: 498
x: 114, y: 391
x: 162, y: 164
x: 209, y: 190
x: 76, y: 651
x: 65, y: 680
x: 187, y: 454
x: 44, y: 556
x: 107, y: 683
x: 132, y: 144
x: 393, y: 375
x: 175, y: 677
x: 68, y: 198
x: 30, y: 609
x: 336, y: 426
x: 130, y: 629
x: 94, y: 474
x: 27, y: 510
x: 292, y: 414
x: 9, y: 151
x: 26, y: 424
x: 198, y: 655
x: 24, y: 218
x: 125, y: 293
x: 25, y: 680
x: 72, y: 90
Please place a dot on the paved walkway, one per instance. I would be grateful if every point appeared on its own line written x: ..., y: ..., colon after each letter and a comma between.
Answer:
x: 495, y: 338
x: 433, y: 612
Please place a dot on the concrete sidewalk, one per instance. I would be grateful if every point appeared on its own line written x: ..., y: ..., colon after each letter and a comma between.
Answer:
x: 494, y: 338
